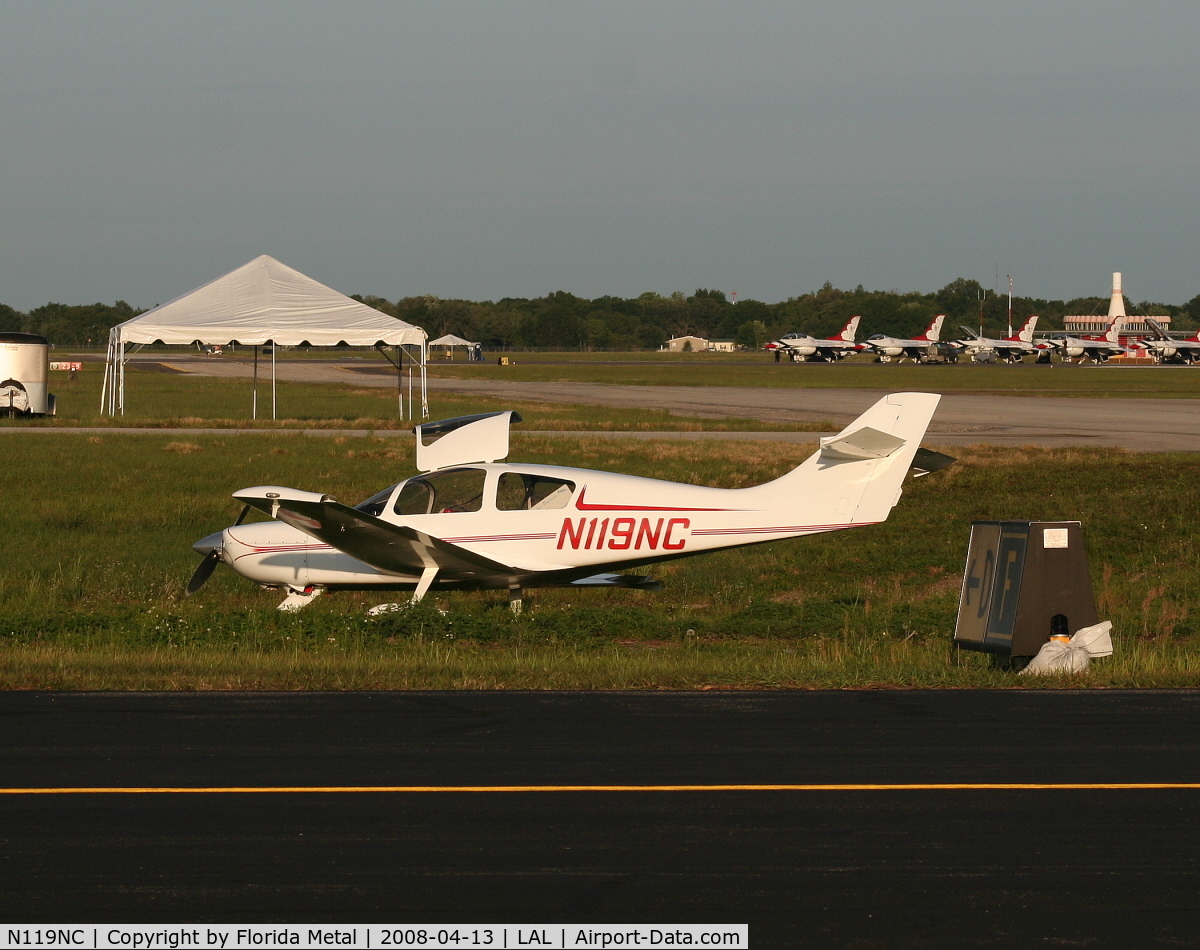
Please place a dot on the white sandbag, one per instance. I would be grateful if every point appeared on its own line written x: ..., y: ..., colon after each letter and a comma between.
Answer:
x: 1074, y: 655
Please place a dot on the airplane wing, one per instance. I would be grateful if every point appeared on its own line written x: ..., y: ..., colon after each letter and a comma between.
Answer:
x: 389, y: 547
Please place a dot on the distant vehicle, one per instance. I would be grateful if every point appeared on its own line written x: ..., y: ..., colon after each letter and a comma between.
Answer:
x: 470, y: 522
x: 1166, y: 349
x: 918, y: 349
x: 1098, y: 349
x: 1011, y: 349
x: 802, y: 347
x: 24, y: 375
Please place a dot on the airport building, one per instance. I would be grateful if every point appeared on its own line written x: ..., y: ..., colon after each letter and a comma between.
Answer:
x: 1134, y: 329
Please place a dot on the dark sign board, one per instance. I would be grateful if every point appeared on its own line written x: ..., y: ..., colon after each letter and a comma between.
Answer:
x: 1020, y: 579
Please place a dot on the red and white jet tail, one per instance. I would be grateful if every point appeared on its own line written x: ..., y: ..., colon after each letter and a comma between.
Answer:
x: 1025, y: 334
x: 933, y: 334
x: 855, y: 477
x: 1114, y: 332
x: 849, y: 331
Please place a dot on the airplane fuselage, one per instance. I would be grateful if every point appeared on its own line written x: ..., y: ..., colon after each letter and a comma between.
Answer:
x: 1077, y: 348
x: 1007, y: 349
x: 1168, y: 351
x: 893, y: 348
x: 590, y: 522
x: 798, y: 345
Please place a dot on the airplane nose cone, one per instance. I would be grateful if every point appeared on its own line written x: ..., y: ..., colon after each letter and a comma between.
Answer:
x: 212, y: 543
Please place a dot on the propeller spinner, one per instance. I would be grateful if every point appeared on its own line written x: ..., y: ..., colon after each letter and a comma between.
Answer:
x: 210, y: 547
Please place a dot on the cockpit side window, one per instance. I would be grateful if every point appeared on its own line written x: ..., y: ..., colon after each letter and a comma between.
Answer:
x: 456, y: 489
x: 376, y: 503
x: 519, y: 491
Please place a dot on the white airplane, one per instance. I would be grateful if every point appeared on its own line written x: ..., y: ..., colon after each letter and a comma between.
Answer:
x: 1097, y: 349
x: 916, y: 349
x: 1166, y: 348
x: 1010, y: 348
x: 801, y: 346
x: 473, y: 522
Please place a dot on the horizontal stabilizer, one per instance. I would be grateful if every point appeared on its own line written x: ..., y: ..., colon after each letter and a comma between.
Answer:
x: 864, y: 443
x: 635, y: 581
x: 926, y: 461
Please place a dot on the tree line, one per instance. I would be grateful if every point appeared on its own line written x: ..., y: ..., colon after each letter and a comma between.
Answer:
x: 561, y: 320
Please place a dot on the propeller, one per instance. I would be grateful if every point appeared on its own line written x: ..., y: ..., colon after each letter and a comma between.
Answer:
x: 211, y: 560
x: 204, y: 571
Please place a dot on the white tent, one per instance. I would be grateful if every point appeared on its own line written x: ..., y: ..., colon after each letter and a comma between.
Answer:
x: 450, y: 340
x: 265, y: 301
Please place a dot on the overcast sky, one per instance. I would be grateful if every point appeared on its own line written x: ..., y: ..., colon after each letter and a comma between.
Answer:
x: 485, y: 148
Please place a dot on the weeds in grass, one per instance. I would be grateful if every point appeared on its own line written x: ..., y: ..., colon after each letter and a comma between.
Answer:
x: 104, y: 531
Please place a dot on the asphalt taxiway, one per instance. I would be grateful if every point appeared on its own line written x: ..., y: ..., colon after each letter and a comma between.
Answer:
x: 914, y: 819
x: 1143, y: 425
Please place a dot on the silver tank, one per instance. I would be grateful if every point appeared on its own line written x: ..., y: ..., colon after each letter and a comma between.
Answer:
x: 24, y: 373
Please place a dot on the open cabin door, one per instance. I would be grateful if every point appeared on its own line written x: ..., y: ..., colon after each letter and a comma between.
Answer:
x: 464, y: 440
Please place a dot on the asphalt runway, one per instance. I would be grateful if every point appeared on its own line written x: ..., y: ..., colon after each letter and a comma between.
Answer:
x: 829, y: 867
x: 1143, y: 425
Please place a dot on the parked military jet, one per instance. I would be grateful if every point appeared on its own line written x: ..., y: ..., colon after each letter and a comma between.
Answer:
x: 1097, y: 349
x: 888, y: 348
x: 471, y: 521
x: 1009, y: 348
x: 801, y: 346
x: 1166, y: 348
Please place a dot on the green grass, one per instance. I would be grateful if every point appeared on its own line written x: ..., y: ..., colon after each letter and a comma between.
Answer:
x: 760, y: 370
x: 173, y: 400
x: 100, y: 528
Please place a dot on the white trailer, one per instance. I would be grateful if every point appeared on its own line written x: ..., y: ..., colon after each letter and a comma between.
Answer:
x: 24, y: 374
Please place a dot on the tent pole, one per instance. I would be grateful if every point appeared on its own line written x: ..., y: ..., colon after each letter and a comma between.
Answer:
x: 274, y: 347
x: 254, y: 398
x: 400, y: 379
x: 121, y: 348
x: 424, y: 379
x: 104, y: 386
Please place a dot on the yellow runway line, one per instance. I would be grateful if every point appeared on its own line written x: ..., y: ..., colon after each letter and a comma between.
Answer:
x: 476, y: 789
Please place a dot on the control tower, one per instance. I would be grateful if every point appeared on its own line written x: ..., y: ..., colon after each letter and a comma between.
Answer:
x: 1134, y: 327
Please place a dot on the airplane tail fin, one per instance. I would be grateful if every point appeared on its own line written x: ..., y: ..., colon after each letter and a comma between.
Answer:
x: 1025, y: 334
x: 933, y: 334
x: 1114, y: 332
x: 856, y: 475
x: 849, y: 331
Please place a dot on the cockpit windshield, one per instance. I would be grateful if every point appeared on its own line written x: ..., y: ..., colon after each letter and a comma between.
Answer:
x: 376, y: 503
x: 453, y: 490
x: 879, y: 336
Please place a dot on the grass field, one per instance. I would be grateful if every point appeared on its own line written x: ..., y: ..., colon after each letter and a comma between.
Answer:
x: 99, y: 530
x: 173, y: 400
x: 752, y: 369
